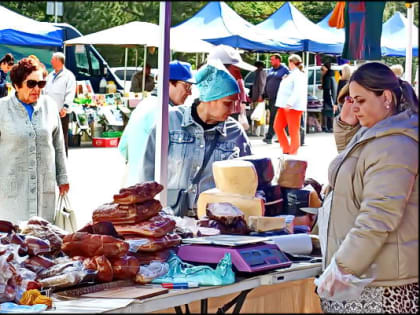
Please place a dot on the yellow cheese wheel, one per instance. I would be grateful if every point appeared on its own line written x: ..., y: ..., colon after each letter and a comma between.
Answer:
x: 235, y: 177
x: 248, y: 205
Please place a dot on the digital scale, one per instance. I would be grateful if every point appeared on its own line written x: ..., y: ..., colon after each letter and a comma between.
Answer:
x: 248, y: 253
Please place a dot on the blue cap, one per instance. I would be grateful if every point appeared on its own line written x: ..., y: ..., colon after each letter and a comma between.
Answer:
x: 180, y: 71
x: 215, y: 82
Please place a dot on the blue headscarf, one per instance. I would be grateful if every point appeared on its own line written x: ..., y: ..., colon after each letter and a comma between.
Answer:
x: 215, y: 82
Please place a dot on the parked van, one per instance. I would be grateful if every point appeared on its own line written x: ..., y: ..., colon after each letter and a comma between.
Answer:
x: 84, y: 61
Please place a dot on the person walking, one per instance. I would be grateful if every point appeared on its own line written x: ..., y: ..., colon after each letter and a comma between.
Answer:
x: 258, y: 85
x: 369, y: 233
x: 274, y: 77
x: 291, y: 102
x: 61, y: 87
x: 32, y: 153
x: 6, y: 64
x: 329, y: 92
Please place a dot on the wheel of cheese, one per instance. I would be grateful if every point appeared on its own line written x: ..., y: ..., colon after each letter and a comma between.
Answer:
x: 235, y: 177
x: 264, y: 168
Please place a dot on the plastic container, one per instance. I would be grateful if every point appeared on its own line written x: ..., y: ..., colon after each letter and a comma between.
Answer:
x: 111, y: 134
x: 105, y: 142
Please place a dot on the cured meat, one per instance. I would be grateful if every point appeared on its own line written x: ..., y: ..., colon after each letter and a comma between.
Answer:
x: 47, y: 225
x: 89, y: 245
x: 224, y: 212
x: 145, y: 258
x: 126, y: 214
x: 239, y: 227
x: 104, y: 268
x: 138, y: 193
x: 38, y: 262
x: 36, y: 245
x: 153, y: 244
x: 292, y: 174
x: 125, y: 267
x: 45, y: 232
x: 7, y: 226
x: 60, y: 269
x: 154, y: 227
x: 102, y: 228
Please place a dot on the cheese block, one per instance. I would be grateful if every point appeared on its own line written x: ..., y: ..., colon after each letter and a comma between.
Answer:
x: 235, y: 177
x: 264, y: 168
x: 264, y: 224
x: 248, y: 205
x: 292, y: 174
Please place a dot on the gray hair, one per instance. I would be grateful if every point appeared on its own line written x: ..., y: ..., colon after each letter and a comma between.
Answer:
x: 60, y: 56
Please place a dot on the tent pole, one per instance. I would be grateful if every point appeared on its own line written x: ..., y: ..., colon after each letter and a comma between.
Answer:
x: 162, y: 129
x: 137, y: 57
x: 258, y: 56
x: 125, y: 66
x: 144, y: 68
x: 409, y: 48
x: 314, y: 82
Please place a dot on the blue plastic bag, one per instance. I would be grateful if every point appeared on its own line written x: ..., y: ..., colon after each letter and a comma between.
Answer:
x: 9, y: 307
x: 180, y: 271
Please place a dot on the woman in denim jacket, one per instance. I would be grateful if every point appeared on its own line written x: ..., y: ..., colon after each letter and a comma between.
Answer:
x: 192, y: 130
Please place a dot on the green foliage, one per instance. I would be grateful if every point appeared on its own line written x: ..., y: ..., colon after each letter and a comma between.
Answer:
x: 93, y: 16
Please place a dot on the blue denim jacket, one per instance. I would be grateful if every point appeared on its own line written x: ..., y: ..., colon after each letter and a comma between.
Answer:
x: 189, y: 143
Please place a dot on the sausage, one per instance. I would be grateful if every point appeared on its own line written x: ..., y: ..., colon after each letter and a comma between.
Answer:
x: 138, y: 193
x: 126, y: 214
x: 89, y: 245
x: 157, y: 226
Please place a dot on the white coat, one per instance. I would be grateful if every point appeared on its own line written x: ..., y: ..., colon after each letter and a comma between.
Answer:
x: 293, y: 91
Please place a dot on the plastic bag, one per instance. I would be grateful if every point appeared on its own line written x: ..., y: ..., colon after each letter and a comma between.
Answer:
x: 259, y: 112
x: 149, y: 272
x: 336, y: 286
x: 180, y: 271
x: 9, y: 307
x: 65, y: 217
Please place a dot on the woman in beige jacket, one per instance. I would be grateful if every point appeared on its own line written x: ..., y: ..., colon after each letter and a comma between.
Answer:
x: 372, y: 225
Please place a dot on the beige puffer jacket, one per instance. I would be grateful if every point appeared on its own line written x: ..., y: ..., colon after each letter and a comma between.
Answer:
x: 374, y: 212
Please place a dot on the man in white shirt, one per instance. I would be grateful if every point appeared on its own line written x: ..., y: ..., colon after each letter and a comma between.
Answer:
x: 61, y: 86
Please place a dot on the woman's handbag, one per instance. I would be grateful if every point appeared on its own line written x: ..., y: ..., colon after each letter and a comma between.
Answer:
x: 65, y: 217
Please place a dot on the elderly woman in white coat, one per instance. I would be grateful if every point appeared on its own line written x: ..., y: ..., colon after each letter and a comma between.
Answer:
x: 32, y: 153
x: 291, y: 102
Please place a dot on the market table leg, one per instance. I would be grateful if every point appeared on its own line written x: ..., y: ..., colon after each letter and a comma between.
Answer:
x: 238, y: 300
x: 204, y: 307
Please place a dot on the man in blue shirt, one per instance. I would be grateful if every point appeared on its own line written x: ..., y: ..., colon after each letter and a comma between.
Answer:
x: 274, y: 77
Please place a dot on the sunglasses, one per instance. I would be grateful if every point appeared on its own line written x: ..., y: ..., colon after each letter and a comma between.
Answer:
x: 186, y: 86
x: 32, y: 83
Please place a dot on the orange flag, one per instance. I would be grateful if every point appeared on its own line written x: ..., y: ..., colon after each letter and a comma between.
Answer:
x: 337, y: 17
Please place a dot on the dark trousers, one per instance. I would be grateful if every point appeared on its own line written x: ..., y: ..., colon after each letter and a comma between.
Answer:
x: 65, y: 126
x: 273, y: 110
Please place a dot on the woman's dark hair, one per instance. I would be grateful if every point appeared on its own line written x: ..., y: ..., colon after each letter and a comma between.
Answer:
x: 8, y: 58
x: 259, y: 63
x: 327, y: 65
x: 22, y: 70
x: 377, y: 77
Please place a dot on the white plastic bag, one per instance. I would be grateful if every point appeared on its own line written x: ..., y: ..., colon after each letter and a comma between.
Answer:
x: 336, y: 286
x: 65, y: 217
x: 258, y: 112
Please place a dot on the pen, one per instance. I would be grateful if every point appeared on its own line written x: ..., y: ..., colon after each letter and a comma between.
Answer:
x: 180, y: 285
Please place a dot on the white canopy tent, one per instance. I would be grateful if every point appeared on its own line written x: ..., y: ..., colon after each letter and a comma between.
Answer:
x: 140, y: 34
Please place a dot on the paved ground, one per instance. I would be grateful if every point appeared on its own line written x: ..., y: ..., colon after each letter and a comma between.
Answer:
x: 96, y: 173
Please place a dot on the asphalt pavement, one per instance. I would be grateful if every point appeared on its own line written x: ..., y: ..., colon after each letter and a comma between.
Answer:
x: 96, y: 174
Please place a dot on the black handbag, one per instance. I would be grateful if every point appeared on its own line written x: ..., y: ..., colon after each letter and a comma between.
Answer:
x: 181, y: 205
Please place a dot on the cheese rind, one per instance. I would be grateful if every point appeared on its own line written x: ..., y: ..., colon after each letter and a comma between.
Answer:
x: 248, y: 205
x: 264, y: 224
x: 235, y: 177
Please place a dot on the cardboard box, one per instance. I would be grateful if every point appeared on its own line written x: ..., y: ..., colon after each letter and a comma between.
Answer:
x: 105, y: 142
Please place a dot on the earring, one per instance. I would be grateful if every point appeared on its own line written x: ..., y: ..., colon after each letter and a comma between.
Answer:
x: 387, y: 105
